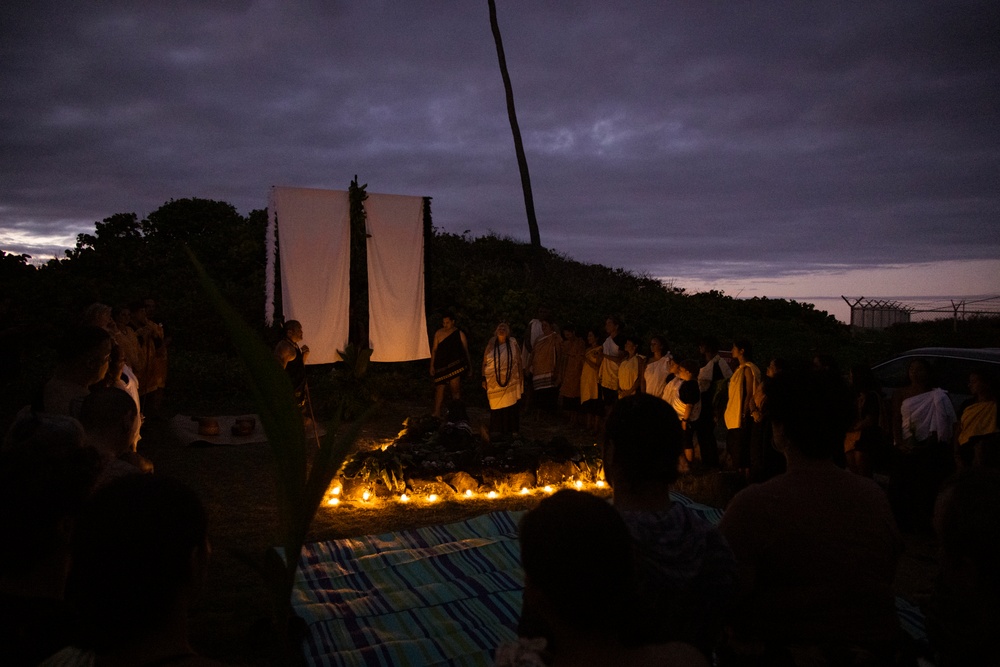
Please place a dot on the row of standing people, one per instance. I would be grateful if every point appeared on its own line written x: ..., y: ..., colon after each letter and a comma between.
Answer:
x: 117, y: 347
x: 590, y: 374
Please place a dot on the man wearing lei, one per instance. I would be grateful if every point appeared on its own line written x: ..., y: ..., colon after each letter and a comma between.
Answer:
x: 503, y: 382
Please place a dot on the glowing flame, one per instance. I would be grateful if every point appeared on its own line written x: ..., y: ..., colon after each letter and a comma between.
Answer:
x: 404, y: 498
x: 333, y: 502
x: 548, y: 489
x: 600, y: 483
x: 579, y: 484
x: 433, y: 497
x: 366, y: 495
x: 524, y: 491
x: 468, y: 493
x: 336, y: 491
x: 491, y: 494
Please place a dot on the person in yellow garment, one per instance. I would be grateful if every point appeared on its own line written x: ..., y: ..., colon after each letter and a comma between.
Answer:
x: 977, y: 437
x: 742, y: 433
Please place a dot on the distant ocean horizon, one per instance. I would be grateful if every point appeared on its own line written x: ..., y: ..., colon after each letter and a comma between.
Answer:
x: 925, y: 307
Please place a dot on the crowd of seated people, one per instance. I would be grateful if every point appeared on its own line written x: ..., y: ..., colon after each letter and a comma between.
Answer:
x: 799, y: 572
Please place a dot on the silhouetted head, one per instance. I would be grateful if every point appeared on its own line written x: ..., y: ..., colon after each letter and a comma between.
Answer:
x: 46, y: 474
x: 110, y: 415
x: 577, y: 557
x: 743, y: 350
x: 919, y: 372
x: 862, y: 378
x: 97, y: 315
x: 642, y: 443
x: 982, y: 384
x: 690, y: 369
x: 809, y: 412
x: 708, y: 346
x: 140, y: 548
x: 86, y: 349
x: 658, y: 344
x: 777, y: 366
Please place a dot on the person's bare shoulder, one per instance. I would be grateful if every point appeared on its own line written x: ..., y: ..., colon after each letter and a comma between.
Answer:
x: 284, y: 351
x: 675, y: 654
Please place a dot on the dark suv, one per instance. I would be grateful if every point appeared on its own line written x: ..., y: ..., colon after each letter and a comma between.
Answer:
x: 951, y: 367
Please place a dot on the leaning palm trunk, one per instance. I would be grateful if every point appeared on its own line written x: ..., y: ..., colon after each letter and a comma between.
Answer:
x: 522, y: 162
x: 300, y: 484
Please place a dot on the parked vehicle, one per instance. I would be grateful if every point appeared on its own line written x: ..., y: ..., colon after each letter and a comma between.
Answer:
x: 951, y: 367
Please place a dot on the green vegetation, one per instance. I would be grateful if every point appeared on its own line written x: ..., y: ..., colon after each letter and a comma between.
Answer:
x: 484, y: 280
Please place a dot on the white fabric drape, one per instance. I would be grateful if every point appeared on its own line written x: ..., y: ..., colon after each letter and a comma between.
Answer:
x: 397, y: 323
x: 314, y: 235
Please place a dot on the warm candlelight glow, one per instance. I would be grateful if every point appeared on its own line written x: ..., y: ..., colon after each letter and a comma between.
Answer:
x: 366, y: 495
x: 336, y: 491
x: 524, y: 490
x: 333, y: 502
x: 491, y: 494
x: 468, y: 493
x: 433, y: 497
x: 404, y: 498
x: 600, y: 483
x: 548, y: 489
x: 579, y: 484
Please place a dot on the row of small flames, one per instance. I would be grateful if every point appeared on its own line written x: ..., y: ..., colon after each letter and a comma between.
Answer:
x: 334, y: 499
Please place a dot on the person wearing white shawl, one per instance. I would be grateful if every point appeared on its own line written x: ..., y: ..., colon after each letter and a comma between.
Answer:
x: 503, y: 381
x: 923, y: 420
x: 928, y: 414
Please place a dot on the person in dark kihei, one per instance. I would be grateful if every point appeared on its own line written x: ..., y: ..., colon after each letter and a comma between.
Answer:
x: 449, y: 360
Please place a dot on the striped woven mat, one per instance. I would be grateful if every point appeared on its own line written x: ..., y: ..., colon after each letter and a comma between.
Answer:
x: 441, y: 595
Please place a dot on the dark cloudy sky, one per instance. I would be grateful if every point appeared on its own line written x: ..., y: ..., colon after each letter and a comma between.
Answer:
x: 735, y: 143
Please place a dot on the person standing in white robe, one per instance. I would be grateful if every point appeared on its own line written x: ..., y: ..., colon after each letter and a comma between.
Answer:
x: 503, y: 381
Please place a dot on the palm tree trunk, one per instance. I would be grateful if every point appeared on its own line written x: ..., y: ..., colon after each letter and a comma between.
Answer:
x: 522, y: 162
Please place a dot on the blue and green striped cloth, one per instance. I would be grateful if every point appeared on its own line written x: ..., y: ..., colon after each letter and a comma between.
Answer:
x: 441, y: 595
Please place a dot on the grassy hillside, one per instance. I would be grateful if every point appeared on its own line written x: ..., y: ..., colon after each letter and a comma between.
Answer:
x: 484, y: 280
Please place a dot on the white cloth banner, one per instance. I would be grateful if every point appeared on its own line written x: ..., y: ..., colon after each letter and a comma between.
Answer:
x: 314, y: 235
x: 398, y: 325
